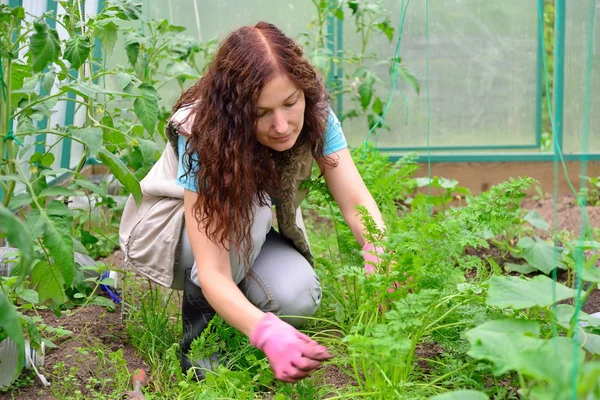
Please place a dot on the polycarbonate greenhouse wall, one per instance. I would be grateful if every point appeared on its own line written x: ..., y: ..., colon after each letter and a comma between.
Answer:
x: 484, y: 67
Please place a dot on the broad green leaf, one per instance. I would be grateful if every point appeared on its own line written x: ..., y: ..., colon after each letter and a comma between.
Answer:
x: 20, y: 200
x: 113, y: 138
x: 146, y: 107
x: 79, y: 247
x: 519, y: 293
x: 56, y: 172
x: 424, y: 181
x: 10, y: 323
x: 132, y: 41
x: 37, y: 181
x: 409, y: 77
x: 539, y: 254
x: 387, y: 29
x: 447, y: 183
x: 148, y: 149
x: 50, y: 283
x: 552, y: 362
x: 461, y: 395
x: 44, y: 46
x: 133, y: 51
x: 148, y: 91
x: 589, y: 341
x: 108, y: 282
x: 57, y: 238
x: 339, y: 14
x: 77, y: 50
x: 590, y: 274
x: 86, y: 89
x: 128, y: 9
x: 48, y: 159
x: 564, y: 314
x: 353, y: 4
x: 48, y: 82
x: 33, y: 332
x: 143, y: 171
x: 108, y: 33
x: 520, y: 350
x: 589, y: 378
x: 58, y: 209
x: 30, y: 296
x: 122, y: 173
x: 35, y: 224
x: 124, y: 79
x: 365, y: 91
x: 91, y: 136
x: 535, y: 219
x: 18, y: 236
x: 103, y: 302
x: 501, y: 342
x: 54, y: 191
x: 87, y: 238
x: 520, y: 268
x: 378, y: 106
x: 19, y: 73
x: 182, y: 70
x: 92, y: 187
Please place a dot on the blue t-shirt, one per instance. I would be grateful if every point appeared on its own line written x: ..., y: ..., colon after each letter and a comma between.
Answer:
x: 334, y: 141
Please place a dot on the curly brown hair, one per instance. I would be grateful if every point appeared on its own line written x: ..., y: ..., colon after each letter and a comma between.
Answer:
x: 233, y: 168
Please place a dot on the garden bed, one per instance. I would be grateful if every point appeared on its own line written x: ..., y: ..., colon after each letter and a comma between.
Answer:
x: 81, y: 360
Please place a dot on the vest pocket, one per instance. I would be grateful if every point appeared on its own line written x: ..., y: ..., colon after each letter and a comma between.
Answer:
x: 152, y: 244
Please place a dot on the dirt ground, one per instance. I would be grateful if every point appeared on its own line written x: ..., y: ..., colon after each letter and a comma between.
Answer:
x: 568, y: 212
x: 94, y: 324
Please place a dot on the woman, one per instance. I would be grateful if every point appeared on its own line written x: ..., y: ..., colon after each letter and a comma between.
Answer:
x: 246, y: 135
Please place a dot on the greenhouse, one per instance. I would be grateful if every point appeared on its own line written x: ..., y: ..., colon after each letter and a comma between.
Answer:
x: 300, y: 199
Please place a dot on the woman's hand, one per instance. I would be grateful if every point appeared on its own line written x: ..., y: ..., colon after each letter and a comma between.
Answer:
x: 370, y: 253
x: 292, y: 355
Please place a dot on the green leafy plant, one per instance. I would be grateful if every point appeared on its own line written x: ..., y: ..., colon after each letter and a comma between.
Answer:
x: 550, y: 366
x: 352, y: 72
x: 425, y: 265
x: 121, y: 115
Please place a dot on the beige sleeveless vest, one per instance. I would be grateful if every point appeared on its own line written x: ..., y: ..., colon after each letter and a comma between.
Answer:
x: 149, y: 234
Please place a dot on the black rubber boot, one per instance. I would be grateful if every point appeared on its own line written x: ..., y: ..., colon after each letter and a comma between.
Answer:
x: 196, y: 313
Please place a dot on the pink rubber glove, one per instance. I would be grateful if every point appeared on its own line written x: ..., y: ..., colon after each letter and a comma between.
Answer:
x: 292, y: 355
x: 370, y: 258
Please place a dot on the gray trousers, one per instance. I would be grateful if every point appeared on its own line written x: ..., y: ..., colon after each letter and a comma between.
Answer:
x: 279, y: 279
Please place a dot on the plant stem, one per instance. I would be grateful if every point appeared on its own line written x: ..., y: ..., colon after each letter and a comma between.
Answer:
x: 28, y: 106
x: 82, y: 160
x: 57, y: 133
x: 433, y: 382
x: 447, y: 326
x: 10, y: 185
x: 428, y: 328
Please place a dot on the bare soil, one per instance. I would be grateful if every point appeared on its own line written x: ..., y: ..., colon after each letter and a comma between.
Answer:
x: 568, y: 215
x: 567, y: 211
x: 92, y: 327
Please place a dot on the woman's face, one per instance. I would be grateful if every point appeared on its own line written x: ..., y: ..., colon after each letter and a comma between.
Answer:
x: 280, y: 111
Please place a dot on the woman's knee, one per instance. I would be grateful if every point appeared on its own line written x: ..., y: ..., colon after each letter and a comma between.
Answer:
x: 283, y: 282
x: 298, y: 298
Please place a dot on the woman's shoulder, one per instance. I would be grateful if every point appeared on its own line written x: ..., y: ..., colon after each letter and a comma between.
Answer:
x: 183, y: 119
x: 335, y: 140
